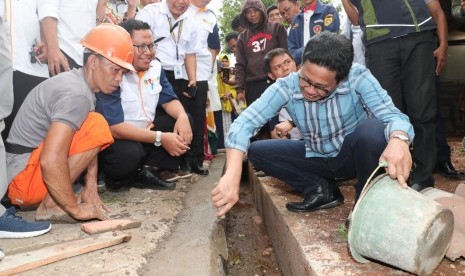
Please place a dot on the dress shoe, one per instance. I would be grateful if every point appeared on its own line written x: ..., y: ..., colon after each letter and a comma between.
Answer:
x: 114, y: 185
x: 446, y: 169
x: 324, y: 197
x: 420, y: 185
x: 200, y: 170
x: 147, y: 177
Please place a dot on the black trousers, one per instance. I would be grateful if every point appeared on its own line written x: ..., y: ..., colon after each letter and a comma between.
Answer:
x: 253, y: 91
x: 405, y: 66
x: 443, y: 148
x: 22, y: 85
x: 121, y: 160
x: 196, y: 107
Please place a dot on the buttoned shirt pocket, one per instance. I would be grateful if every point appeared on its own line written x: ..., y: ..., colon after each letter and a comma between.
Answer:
x: 130, y: 105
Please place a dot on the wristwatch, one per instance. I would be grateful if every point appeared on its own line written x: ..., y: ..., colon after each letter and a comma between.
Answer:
x: 401, y: 137
x: 157, y: 142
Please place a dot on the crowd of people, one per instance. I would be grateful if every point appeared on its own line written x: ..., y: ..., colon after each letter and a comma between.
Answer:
x: 117, y: 91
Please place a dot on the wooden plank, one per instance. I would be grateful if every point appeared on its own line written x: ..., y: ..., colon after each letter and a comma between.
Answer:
x: 28, y: 260
x: 109, y: 225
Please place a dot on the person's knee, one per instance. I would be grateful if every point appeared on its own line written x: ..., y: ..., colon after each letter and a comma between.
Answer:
x: 122, y: 159
x: 255, y: 154
x: 371, y: 131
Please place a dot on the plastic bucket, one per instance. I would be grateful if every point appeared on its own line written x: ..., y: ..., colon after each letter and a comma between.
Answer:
x: 399, y: 227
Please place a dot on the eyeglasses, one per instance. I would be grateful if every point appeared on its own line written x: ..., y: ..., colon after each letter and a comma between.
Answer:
x: 285, y: 11
x: 318, y: 88
x: 143, y: 47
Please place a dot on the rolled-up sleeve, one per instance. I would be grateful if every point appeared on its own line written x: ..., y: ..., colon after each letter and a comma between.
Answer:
x: 255, y: 116
x: 48, y: 8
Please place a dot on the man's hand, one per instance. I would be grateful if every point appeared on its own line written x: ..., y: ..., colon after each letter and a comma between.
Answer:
x: 397, y: 155
x: 41, y: 51
x: 90, y: 196
x: 87, y: 211
x: 282, y: 129
x: 441, y: 57
x: 463, y: 6
x: 226, y: 193
x: 173, y: 144
x: 240, y: 96
x: 191, y: 83
x: 182, y: 127
x: 56, y: 61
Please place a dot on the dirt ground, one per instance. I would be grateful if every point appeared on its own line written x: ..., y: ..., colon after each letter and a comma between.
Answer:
x: 249, y: 248
x: 158, y: 211
x: 251, y: 253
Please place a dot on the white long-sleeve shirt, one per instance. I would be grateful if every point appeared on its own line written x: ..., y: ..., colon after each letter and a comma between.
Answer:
x: 22, y: 27
x: 75, y: 19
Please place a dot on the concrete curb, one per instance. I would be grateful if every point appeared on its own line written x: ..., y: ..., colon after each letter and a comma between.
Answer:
x: 313, y: 243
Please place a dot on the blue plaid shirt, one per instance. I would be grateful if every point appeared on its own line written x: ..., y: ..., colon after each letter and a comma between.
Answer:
x: 324, y: 123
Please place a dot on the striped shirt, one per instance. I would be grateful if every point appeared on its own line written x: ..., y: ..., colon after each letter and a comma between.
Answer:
x: 325, y: 123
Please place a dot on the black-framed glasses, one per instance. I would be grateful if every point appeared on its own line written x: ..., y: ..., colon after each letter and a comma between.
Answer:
x: 285, y: 11
x: 143, y: 47
x: 306, y: 83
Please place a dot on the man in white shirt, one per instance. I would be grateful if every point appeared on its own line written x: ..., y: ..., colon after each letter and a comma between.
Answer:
x: 28, y: 55
x: 175, y: 32
x: 64, y: 23
x: 209, y: 39
x: 145, y: 142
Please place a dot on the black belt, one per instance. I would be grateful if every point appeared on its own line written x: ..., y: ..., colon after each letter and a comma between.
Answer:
x: 17, y: 149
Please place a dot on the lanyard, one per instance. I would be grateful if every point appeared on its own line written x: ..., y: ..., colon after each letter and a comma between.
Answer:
x: 173, y: 36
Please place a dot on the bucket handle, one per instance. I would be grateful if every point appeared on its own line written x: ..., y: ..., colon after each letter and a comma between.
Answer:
x: 381, y: 164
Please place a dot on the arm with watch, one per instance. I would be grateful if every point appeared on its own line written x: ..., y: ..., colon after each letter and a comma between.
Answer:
x: 397, y: 155
x: 170, y: 141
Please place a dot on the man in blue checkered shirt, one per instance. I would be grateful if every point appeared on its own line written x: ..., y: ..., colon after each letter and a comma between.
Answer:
x: 348, y: 122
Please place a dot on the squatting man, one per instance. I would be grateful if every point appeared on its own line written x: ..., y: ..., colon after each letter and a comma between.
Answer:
x: 347, y: 120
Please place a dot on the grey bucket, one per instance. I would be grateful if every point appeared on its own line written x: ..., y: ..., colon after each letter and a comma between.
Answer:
x: 399, y: 227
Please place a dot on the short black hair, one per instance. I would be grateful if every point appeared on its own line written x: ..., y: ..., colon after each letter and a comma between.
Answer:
x: 87, y: 53
x: 131, y: 25
x: 292, y: 1
x: 272, y: 54
x: 270, y: 8
x: 331, y: 51
x: 230, y: 36
x: 235, y: 23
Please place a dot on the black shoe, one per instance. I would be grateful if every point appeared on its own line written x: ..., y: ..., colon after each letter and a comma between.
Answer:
x: 446, y: 169
x: 420, y: 185
x: 147, y: 177
x: 324, y: 197
x: 200, y: 170
x: 114, y: 185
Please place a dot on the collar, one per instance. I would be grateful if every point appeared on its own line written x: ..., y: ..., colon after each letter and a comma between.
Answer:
x: 310, y: 8
x: 165, y: 10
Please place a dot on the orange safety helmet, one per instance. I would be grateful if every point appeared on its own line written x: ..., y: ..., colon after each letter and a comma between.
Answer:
x: 112, y: 42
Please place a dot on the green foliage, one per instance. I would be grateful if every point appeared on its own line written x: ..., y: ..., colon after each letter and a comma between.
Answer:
x: 230, y: 9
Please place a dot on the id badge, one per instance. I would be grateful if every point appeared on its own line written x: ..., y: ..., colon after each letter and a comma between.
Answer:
x: 178, y: 72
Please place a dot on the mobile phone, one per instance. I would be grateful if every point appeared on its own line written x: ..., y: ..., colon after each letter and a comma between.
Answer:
x: 192, y: 90
x: 225, y: 71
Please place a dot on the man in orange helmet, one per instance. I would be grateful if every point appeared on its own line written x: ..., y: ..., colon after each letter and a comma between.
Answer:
x: 56, y: 136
